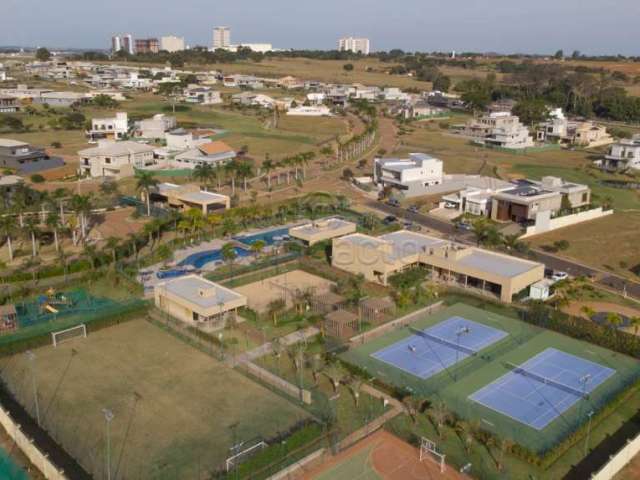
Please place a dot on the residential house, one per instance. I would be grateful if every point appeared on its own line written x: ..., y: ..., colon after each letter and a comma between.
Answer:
x: 316, y: 98
x: 115, y: 159
x: 253, y: 100
x: 110, y: 128
x: 394, y: 94
x: 290, y: 83
x: 559, y: 129
x: 416, y: 110
x: 485, y: 271
x: 471, y: 194
x: 9, y: 104
x: 201, y: 95
x: 155, y: 128
x: 409, y: 176
x: 498, y: 129
x: 321, y: 230
x: 310, y: 111
x: 623, y: 155
x: 242, y: 81
x: 212, y: 153
x: 24, y: 158
x: 9, y: 185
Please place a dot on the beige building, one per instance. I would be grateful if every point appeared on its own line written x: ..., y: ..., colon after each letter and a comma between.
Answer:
x: 115, y: 159
x: 198, y: 301
x: 378, y: 258
x: 321, y: 230
x: 184, y: 197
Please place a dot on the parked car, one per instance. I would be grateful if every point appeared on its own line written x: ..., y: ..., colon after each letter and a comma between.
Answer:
x: 450, y: 205
x: 413, y: 209
x: 389, y: 219
x: 393, y: 202
x: 464, y: 226
x: 558, y: 275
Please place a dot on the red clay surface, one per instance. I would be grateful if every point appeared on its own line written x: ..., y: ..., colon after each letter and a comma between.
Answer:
x: 389, y: 458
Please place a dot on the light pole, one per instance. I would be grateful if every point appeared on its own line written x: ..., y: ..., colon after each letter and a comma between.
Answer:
x: 32, y: 358
x: 586, y: 440
x: 461, y: 331
x: 221, y: 346
x: 108, y: 417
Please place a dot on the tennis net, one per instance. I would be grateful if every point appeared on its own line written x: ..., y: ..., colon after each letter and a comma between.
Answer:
x: 442, y: 341
x: 547, y: 381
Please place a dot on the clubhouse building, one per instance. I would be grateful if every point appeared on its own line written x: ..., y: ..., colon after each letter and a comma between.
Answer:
x: 377, y: 258
x: 198, y: 302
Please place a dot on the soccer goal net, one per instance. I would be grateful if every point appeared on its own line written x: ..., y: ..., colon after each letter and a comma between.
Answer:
x: 429, y: 451
x: 242, y: 452
x: 69, y: 333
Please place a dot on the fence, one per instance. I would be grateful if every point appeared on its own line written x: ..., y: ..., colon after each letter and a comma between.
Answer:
x: 548, y: 224
x: 291, y: 470
x: 619, y: 460
x: 397, y: 323
x: 30, y: 449
x: 275, y: 381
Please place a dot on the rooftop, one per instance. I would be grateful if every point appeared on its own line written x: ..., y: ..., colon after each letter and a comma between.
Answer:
x: 116, y: 149
x: 504, y: 265
x: 216, y: 147
x: 202, y: 197
x: 200, y: 291
x: 407, y: 243
x: 7, y: 142
x: 322, y: 226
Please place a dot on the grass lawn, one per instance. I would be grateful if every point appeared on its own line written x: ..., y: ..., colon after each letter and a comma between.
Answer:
x: 454, y: 385
x: 610, y: 242
x: 174, y: 407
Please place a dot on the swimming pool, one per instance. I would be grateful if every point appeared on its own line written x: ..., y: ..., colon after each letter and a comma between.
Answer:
x: 200, y: 259
x: 9, y: 470
x: 268, y: 236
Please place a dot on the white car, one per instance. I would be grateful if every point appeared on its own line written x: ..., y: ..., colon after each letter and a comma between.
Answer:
x: 557, y: 276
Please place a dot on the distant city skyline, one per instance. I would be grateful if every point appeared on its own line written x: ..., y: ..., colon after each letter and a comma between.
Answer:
x: 502, y: 26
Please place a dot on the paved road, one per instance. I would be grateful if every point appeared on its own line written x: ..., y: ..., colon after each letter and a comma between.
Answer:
x: 602, y: 278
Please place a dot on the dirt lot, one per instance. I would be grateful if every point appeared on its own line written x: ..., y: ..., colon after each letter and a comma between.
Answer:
x: 284, y: 286
x: 380, y: 456
x: 176, y: 410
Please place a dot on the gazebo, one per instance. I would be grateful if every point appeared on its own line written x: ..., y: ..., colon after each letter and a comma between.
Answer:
x: 376, y: 309
x: 340, y: 323
x: 8, y: 318
x: 327, y: 302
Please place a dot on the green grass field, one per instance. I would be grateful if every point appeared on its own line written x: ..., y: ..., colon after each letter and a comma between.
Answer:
x: 524, y: 341
x: 175, y: 408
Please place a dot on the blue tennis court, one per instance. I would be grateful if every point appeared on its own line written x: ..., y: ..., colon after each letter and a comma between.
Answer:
x: 433, y: 349
x: 543, y: 388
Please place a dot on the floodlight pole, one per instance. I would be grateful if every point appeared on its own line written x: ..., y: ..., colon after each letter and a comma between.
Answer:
x: 586, y: 441
x: 32, y: 357
x: 108, y: 417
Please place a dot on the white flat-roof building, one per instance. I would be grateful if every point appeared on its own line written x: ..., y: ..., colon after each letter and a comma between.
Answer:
x: 155, y: 128
x: 109, y: 128
x: 498, y: 129
x: 320, y: 230
x: 409, y: 176
x: 310, y: 111
x: 221, y: 37
x: 623, y: 155
x: 184, y: 197
x: 198, y: 301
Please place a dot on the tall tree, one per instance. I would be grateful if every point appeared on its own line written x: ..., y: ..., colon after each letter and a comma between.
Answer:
x: 8, y: 226
x: 145, y: 181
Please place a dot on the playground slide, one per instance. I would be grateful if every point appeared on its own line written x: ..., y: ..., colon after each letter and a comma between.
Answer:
x: 51, y: 309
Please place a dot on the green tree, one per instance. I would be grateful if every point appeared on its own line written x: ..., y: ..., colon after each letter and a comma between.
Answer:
x: 145, y: 182
x: 531, y: 111
x: 8, y: 226
x: 347, y: 67
x: 42, y: 54
x: 442, y: 83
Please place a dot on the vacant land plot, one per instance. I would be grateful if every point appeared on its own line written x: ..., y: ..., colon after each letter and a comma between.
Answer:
x: 176, y: 410
x: 380, y: 456
x: 520, y: 400
x: 610, y: 242
x: 284, y: 286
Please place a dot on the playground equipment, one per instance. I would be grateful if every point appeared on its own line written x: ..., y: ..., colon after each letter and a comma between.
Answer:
x: 53, y: 302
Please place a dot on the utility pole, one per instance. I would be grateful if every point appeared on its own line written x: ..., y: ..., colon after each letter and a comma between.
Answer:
x: 32, y: 357
x: 586, y: 440
x: 108, y: 417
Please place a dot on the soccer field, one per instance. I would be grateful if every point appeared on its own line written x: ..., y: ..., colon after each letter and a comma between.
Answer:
x: 176, y: 410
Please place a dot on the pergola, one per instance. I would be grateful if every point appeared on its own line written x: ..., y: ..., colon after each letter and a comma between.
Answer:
x: 8, y: 318
x: 327, y: 302
x: 376, y: 309
x: 341, y: 322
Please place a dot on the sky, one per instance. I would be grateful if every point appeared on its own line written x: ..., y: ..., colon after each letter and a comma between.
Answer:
x: 505, y: 26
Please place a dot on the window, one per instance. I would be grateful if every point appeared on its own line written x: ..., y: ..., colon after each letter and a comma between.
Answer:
x: 107, y: 160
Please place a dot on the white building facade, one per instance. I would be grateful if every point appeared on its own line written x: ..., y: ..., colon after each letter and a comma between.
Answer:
x: 221, y: 37
x: 354, y: 45
x: 172, y: 43
x: 410, y: 176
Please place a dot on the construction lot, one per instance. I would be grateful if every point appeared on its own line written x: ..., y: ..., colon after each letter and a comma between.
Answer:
x: 176, y: 411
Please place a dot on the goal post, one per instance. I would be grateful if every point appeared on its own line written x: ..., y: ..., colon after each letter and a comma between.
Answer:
x: 62, y: 336
x: 244, y: 453
x: 428, y: 450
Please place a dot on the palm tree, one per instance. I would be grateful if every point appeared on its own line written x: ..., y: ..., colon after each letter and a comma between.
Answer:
x: 8, y: 227
x: 231, y: 170
x: 214, y: 220
x: 91, y: 253
x: 112, y: 244
x: 31, y: 226
x: 144, y: 182
x: 413, y: 404
x: 635, y: 323
x: 268, y: 167
x: 63, y: 257
x: 277, y: 348
x: 335, y: 375
x: 257, y: 247
x: 614, y: 320
x: 53, y: 222
x: 133, y: 241
x: 228, y: 253
x: 218, y: 174
x: 439, y: 413
x: 505, y: 445
x: 355, y: 384
x: 81, y: 204
x: 203, y: 173
x: 244, y: 171
x: 587, y: 311
x: 275, y: 308
x: 317, y: 364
